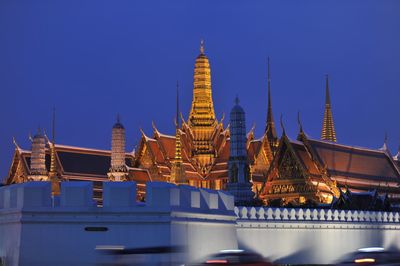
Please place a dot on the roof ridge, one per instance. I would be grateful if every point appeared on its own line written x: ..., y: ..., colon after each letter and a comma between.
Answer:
x: 347, y: 146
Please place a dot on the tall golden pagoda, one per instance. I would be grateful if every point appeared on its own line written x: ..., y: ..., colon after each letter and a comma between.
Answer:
x: 328, y: 127
x: 202, y: 121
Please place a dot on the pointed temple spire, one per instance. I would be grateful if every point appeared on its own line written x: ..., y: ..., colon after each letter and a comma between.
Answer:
x: 202, y: 121
x: 177, y: 169
x: 328, y: 127
x: 55, y: 181
x: 178, y: 149
x: 177, y: 105
x: 270, y: 130
x: 52, y: 146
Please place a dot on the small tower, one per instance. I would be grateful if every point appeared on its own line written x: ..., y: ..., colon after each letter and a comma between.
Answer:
x: 328, y: 127
x: 38, y: 171
x: 239, y: 173
x: 118, y: 170
x: 178, y: 175
x: 270, y: 130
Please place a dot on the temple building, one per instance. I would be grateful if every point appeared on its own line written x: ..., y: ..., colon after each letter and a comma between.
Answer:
x: 204, y: 153
x: 48, y: 161
x: 203, y: 142
x: 197, y: 154
x: 307, y: 170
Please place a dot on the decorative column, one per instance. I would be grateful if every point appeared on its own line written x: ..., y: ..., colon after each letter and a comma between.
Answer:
x: 38, y: 171
x: 118, y: 169
x: 239, y: 184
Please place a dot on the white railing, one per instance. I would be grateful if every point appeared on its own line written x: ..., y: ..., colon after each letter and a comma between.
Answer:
x: 294, y: 214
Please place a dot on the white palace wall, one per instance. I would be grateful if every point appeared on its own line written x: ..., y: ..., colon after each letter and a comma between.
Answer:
x: 314, y: 236
x: 36, y: 229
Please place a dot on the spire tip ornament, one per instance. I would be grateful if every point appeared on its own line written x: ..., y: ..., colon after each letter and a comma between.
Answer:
x: 202, y: 46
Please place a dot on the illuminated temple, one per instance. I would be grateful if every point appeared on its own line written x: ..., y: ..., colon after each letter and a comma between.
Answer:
x: 279, y: 170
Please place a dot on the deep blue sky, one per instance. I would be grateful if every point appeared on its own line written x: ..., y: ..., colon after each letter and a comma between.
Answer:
x: 94, y: 59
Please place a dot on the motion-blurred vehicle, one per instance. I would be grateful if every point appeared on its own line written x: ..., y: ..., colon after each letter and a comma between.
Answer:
x: 372, y: 256
x: 234, y: 257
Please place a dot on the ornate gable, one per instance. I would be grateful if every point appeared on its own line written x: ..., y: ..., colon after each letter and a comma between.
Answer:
x: 287, y: 178
x: 18, y: 172
x: 263, y: 158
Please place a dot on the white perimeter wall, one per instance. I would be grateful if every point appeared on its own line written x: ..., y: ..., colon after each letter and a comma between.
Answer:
x: 38, y: 230
x: 314, y: 236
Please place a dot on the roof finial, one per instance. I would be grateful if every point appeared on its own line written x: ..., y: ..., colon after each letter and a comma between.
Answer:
x: 118, y: 118
x: 385, y: 146
x: 299, y: 122
x: 282, y: 126
x: 237, y: 100
x: 16, y: 144
x: 202, y: 46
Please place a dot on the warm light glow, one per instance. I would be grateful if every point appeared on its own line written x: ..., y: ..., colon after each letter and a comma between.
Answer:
x: 216, y: 261
x: 366, y: 260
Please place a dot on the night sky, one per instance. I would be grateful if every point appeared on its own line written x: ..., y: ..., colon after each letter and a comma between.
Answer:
x: 94, y: 59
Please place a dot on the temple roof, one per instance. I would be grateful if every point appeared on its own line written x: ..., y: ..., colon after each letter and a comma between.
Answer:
x: 162, y: 149
x: 77, y: 161
x: 350, y: 161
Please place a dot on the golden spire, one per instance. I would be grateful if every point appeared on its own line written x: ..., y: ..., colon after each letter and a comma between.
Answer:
x: 202, y: 120
x: 178, y: 149
x: 202, y: 111
x: 177, y: 168
x: 55, y: 182
x: 328, y: 127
